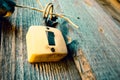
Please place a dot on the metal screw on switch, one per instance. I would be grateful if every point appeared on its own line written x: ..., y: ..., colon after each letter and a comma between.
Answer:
x: 52, y: 49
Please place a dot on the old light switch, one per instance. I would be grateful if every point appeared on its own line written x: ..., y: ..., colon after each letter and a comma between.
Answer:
x: 45, y: 44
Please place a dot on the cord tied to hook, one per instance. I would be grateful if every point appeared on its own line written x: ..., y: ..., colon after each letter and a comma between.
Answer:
x: 50, y: 19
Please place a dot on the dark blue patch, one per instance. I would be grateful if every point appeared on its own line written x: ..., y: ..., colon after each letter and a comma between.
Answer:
x: 5, y: 6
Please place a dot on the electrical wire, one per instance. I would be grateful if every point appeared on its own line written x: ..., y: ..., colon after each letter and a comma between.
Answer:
x: 48, y: 10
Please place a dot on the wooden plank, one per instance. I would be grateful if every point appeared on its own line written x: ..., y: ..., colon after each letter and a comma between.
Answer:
x: 95, y: 42
x: 110, y: 9
x: 13, y: 60
x: 98, y: 37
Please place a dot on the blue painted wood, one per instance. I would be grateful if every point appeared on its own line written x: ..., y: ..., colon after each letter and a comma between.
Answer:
x: 97, y: 37
x: 13, y: 56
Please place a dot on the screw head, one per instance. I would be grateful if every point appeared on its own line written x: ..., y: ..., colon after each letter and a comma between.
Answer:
x: 53, y: 49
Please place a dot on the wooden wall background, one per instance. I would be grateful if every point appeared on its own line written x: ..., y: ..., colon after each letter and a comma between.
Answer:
x: 96, y: 43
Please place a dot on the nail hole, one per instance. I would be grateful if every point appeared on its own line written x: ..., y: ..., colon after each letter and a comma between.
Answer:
x: 78, y: 17
x: 101, y: 30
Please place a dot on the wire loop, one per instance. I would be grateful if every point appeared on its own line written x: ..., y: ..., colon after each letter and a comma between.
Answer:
x: 48, y: 11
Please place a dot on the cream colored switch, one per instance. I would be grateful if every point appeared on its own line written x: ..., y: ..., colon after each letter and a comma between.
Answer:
x: 45, y: 44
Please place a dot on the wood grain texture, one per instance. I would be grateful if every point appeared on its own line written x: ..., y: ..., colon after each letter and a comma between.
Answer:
x: 111, y: 8
x: 98, y: 36
x: 13, y: 56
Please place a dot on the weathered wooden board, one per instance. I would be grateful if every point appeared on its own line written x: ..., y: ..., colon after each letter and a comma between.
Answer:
x: 97, y: 37
x: 13, y: 56
x: 111, y: 8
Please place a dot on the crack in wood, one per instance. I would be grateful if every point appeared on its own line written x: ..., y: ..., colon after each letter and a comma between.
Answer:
x: 83, y: 66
